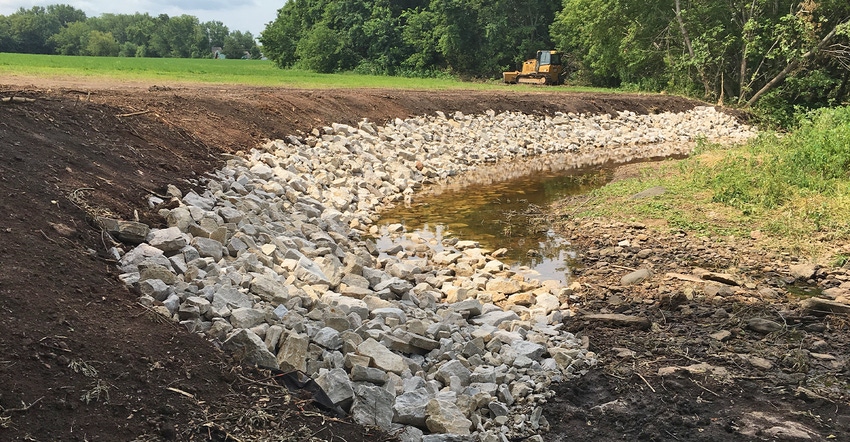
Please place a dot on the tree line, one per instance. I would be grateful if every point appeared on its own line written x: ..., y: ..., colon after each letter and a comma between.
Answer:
x: 65, y: 30
x: 787, y: 53
x: 782, y: 55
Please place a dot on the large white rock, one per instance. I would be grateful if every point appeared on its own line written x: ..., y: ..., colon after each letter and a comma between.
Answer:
x: 382, y: 357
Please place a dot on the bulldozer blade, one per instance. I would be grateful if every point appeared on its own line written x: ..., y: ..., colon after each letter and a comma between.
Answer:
x: 531, y: 80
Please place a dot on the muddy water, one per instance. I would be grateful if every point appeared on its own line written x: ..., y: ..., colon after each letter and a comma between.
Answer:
x: 506, y: 213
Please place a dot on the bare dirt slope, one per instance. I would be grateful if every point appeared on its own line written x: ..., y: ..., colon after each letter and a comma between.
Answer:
x: 79, y: 358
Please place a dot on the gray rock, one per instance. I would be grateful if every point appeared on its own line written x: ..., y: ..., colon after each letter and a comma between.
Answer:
x: 450, y: 369
x: 529, y: 349
x: 126, y: 231
x: 247, y: 317
x: 494, y: 318
x: 155, y: 288
x: 764, y: 326
x: 360, y: 373
x: 649, y: 193
x: 409, y: 407
x: 208, y: 247
x: 329, y: 338
x: 337, y: 386
x: 636, y: 277
x: 470, y: 307
x: 382, y: 357
x: 269, y: 289
x: 822, y: 306
x: 372, y: 406
x: 498, y: 408
x: 246, y: 346
x: 193, y: 199
x: 390, y: 312
x: 168, y: 240
x: 309, y: 272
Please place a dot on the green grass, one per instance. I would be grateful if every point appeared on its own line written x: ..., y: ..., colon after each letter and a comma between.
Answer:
x: 247, y: 72
x: 795, y: 188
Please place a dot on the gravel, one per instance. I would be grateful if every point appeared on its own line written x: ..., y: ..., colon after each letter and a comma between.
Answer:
x: 273, y: 259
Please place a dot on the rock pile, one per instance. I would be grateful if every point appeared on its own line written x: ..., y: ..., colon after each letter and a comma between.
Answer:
x: 272, y: 260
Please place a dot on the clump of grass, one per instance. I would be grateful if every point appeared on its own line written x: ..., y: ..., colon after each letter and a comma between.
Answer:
x: 794, y: 187
x: 99, y: 391
x: 814, y: 159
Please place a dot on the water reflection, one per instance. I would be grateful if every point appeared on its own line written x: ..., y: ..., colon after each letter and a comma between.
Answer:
x: 506, y: 213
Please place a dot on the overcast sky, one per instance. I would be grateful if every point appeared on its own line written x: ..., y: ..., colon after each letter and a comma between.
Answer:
x: 237, y: 15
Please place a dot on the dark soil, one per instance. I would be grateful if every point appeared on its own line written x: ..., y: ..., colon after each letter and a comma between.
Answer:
x: 790, y: 383
x: 81, y: 360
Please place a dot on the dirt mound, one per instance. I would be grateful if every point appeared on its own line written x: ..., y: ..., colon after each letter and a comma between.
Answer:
x: 79, y: 358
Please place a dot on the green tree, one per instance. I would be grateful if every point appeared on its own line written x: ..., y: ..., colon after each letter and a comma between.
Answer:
x: 102, y: 44
x: 322, y: 50
x: 72, y: 39
x: 216, y: 33
x: 240, y: 45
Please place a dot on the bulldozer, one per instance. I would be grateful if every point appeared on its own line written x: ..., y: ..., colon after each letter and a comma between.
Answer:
x: 546, y: 68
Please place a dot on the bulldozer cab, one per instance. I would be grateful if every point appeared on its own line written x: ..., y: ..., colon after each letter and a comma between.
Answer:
x: 548, y: 57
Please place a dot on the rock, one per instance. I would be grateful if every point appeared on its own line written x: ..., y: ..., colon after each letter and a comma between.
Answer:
x: 619, y: 320
x: 126, y: 231
x: 168, y: 240
x: 760, y: 363
x: 293, y: 352
x: 764, y: 326
x: 337, y: 386
x: 635, y: 277
x: 269, y: 289
x: 246, y: 346
x: 468, y: 307
x: 443, y: 416
x: 193, y: 199
x: 208, y: 247
x: 390, y: 312
x: 504, y: 286
x: 802, y: 272
x: 409, y: 407
x: 528, y: 349
x: 453, y: 368
x: 247, y: 317
x: 372, y: 406
x: 329, y: 338
x: 494, y: 318
x: 701, y: 368
x: 649, y: 193
x: 822, y: 306
x: 382, y: 357
x: 721, y: 335
x: 360, y: 373
x: 155, y: 288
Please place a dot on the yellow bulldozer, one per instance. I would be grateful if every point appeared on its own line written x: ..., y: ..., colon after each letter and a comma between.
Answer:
x: 545, y: 69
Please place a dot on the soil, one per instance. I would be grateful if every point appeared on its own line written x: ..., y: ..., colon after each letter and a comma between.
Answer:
x: 81, y: 360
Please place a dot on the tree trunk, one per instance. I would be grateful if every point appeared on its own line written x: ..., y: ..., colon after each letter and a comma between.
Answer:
x: 687, y: 39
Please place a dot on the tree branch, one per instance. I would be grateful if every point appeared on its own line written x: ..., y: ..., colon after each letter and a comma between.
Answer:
x: 793, y: 64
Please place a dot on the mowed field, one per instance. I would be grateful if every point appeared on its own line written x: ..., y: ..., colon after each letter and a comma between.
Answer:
x: 229, y: 71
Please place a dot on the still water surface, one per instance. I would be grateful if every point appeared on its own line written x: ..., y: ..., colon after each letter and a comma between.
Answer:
x: 501, y: 214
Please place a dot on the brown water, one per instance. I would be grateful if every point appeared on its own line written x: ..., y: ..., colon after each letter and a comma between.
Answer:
x: 501, y: 214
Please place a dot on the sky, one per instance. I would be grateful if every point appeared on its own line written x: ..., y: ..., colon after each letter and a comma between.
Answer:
x: 237, y: 15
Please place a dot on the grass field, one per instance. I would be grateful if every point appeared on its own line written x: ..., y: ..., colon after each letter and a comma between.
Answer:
x: 249, y: 72
x: 793, y: 188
